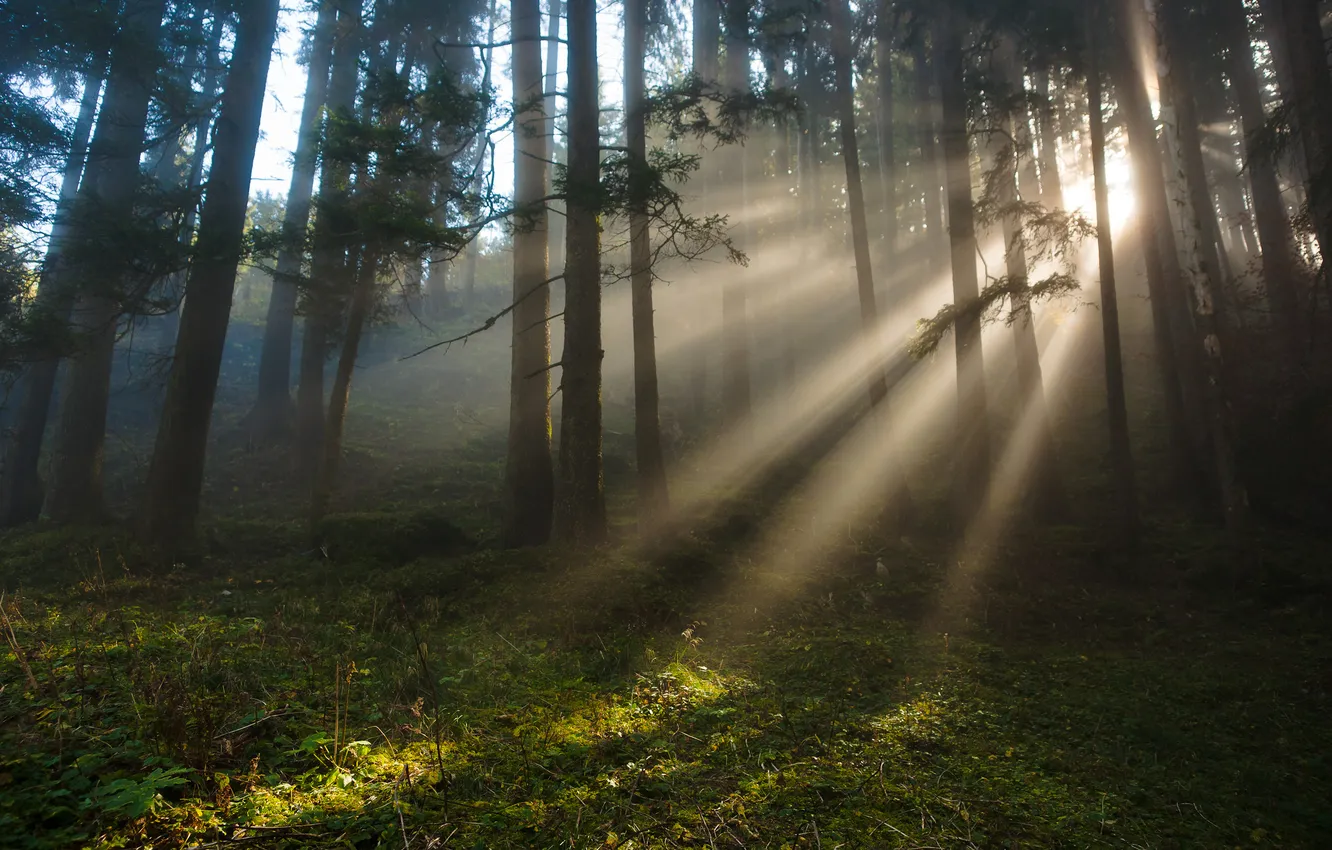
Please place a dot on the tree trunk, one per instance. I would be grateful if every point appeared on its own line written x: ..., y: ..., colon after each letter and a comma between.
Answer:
x: 1046, y: 495
x: 1275, y: 236
x: 1234, y: 501
x: 736, y: 386
x: 1052, y: 187
x: 272, y: 415
x: 840, y: 18
x: 175, y: 476
x: 1311, y: 95
x: 1171, y: 327
x: 1121, y: 452
x: 555, y: 223
x: 331, y: 451
x: 972, y: 443
x: 20, y: 483
x: 706, y: 49
x: 529, y: 482
x: 581, y: 507
x: 653, y: 497
x: 328, y: 265
x: 107, y: 198
x: 883, y: 62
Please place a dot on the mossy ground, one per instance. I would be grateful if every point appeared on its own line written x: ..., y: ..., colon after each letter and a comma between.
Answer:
x: 412, y: 686
x: 542, y: 699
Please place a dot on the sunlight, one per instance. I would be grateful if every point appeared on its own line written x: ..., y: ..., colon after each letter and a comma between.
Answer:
x: 1080, y: 195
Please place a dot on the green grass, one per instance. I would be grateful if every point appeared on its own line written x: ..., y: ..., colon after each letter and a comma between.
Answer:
x: 543, y: 699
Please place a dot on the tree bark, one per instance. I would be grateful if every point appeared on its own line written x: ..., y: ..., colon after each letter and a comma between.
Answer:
x: 331, y: 451
x: 329, y: 271
x: 1311, y: 95
x: 972, y: 442
x: 555, y: 223
x: 1275, y: 236
x: 707, y: 60
x: 1046, y: 496
x: 1052, y: 187
x: 653, y: 497
x: 581, y: 503
x: 1121, y: 452
x: 884, y: 126
x: 1171, y: 327
x: 107, y: 197
x: 1234, y: 500
x: 175, y: 476
x: 20, y: 482
x: 529, y: 482
x: 737, y: 392
x: 273, y: 412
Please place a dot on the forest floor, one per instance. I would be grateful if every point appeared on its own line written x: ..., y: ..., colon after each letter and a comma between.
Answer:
x: 410, y: 685
x: 384, y: 698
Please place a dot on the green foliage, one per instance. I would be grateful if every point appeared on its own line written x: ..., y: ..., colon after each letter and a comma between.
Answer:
x: 987, y: 307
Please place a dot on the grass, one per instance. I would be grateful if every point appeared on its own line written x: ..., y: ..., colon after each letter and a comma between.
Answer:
x: 541, y: 699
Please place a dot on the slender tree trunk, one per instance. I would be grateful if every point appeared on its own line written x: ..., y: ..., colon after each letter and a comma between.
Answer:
x: 1234, y: 501
x: 652, y: 492
x: 480, y: 168
x: 883, y: 61
x: 331, y: 451
x: 1269, y: 210
x: 555, y: 223
x: 1170, y: 323
x: 273, y: 413
x: 736, y: 384
x: 1046, y: 494
x: 107, y: 197
x: 1121, y: 452
x: 707, y: 41
x: 972, y: 444
x: 20, y: 483
x: 1052, y: 187
x: 581, y: 502
x: 790, y: 220
x: 529, y: 482
x: 328, y: 266
x: 840, y: 18
x: 175, y: 476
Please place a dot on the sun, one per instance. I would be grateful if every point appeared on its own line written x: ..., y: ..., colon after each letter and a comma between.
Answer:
x: 1079, y: 194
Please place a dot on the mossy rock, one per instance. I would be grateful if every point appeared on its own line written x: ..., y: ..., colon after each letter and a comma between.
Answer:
x: 394, y: 537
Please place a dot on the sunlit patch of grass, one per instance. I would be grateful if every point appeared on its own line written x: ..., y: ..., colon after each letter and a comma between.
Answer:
x: 303, y: 703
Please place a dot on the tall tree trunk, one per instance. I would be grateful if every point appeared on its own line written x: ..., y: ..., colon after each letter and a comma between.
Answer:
x: 972, y: 443
x: 555, y: 223
x: 480, y: 167
x: 707, y: 59
x: 1311, y: 95
x: 1171, y: 327
x: 1269, y: 211
x: 529, y: 481
x: 175, y: 476
x: 273, y: 413
x: 884, y: 126
x: 840, y: 18
x: 329, y: 270
x: 580, y: 515
x: 1052, y: 187
x: 107, y: 198
x: 20, y: 483
x: 1121, y: 452
x: 330, y: 461
x: 1046, y: 494
x: 1234, y: 501
x: 652, y: 492
x: 736, y: 386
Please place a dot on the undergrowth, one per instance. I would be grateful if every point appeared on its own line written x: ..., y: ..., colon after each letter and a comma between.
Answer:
x: 543, y: 699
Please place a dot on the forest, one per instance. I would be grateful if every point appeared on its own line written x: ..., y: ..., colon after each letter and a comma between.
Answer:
x: 665, y: 423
